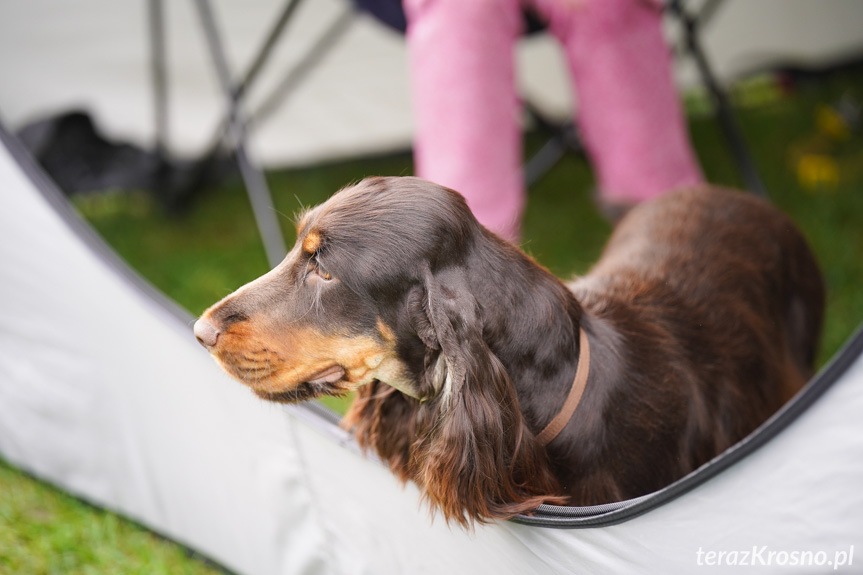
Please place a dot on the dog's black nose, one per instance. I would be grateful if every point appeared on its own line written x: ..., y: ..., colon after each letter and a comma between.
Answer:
x: 206, y: 333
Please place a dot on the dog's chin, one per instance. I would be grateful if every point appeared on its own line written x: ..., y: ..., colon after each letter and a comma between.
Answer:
x: 302, y: 392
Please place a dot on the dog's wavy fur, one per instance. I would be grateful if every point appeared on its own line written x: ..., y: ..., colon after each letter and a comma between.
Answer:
x: 703, y: 314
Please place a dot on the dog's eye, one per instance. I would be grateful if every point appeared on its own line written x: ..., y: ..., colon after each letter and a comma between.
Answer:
x: 317, y: 270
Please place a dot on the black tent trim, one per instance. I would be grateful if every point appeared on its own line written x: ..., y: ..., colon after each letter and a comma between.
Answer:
x: 326, y: 420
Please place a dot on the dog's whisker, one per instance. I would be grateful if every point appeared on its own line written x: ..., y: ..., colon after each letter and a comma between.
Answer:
x: 317, y: 302
x: 284, y: 215
x: 269, y: 383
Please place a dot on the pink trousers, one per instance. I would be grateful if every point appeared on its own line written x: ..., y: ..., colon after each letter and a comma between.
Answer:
x: 467, y: 112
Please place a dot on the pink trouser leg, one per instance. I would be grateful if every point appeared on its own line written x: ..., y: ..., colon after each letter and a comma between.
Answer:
x: 628, y: 113
x: 468, y: 133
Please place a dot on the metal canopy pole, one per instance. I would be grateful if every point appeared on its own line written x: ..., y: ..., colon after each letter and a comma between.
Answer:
x: 264, y: 52
x: 564, y: 137
x: 159, y: 75
x: 161, y: 176
x: 322, y: 46
x: 690, y: 25
x: 253, y: 177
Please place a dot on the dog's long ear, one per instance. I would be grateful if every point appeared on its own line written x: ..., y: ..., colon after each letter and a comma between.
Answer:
x: 474, y: 456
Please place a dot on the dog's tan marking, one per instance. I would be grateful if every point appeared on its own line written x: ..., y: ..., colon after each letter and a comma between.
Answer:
x: 386, y: 332
x: 278, y: 362
x: 312, y: 242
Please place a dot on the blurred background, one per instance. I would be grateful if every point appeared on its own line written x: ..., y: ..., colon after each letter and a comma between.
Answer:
x: 141, y: 110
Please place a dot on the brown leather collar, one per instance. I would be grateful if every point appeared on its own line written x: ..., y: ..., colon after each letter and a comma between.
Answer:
x: 575, y: 392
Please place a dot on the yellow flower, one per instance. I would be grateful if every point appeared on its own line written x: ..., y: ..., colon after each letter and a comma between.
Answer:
x: 817, y: 170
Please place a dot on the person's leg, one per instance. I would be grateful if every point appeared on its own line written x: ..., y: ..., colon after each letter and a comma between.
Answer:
x: 629, y: 114
x: 467, y: 132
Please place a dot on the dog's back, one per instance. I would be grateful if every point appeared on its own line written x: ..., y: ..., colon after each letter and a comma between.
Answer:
x: 715, y: 246
x: 720, y: 303
x: 728, y: 251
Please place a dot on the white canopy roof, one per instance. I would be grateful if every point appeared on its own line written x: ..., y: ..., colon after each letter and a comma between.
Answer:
x: 95, y: 54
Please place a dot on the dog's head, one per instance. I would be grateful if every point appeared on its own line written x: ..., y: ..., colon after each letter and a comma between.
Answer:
x: 382, y: 292
x: 330, y: 318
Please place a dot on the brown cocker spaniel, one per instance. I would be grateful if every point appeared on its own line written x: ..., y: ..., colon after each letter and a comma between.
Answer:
x: 699, y: 321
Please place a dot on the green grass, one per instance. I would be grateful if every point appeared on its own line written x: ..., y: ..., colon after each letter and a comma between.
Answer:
x: 207, y: 254
x: 45, y: 531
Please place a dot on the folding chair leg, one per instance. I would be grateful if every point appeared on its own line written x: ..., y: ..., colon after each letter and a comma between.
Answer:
x: 751, y: 179
x: 253, y: 177
x: 564, y: 137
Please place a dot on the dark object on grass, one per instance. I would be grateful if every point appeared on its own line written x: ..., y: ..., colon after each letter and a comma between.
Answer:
x: 80, y: 159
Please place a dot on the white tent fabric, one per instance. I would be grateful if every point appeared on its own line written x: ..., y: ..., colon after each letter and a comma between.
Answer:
x: 105, y: 393
x: 94, y: 54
